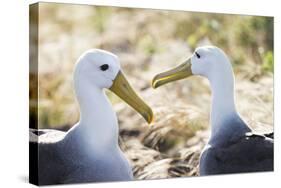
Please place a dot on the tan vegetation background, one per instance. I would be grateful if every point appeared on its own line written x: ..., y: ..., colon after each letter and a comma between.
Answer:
x: 148, y: 42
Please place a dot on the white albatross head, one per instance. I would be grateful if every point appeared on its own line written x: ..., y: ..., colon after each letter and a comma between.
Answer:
x: 100, y: 69
x: 207, y: 61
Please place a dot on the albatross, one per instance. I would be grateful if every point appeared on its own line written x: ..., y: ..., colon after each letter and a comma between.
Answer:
x: 89, y: 151
x: 232, y: 147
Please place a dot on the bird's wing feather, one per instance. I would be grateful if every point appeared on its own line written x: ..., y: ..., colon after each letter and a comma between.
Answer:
x: 250, y: 153
x: 45, y: 135
x: 45, y: 151
x: 269, y: 135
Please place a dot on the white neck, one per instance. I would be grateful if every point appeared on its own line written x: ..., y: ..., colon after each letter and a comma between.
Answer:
x: 224, y: 118
x: 98, y: 124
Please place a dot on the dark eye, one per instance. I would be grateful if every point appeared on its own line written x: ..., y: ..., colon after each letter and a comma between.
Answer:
x: 198, y: 56
x: 104, y: 67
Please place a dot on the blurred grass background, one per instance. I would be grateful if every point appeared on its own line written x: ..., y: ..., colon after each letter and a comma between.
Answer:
x: 148, y: 42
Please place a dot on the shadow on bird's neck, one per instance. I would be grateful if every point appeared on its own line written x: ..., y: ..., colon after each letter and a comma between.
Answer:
x: 223, y: 109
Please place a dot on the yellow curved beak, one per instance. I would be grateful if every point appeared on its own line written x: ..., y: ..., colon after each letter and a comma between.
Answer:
x: 122, y: 89
x: 180, y: 72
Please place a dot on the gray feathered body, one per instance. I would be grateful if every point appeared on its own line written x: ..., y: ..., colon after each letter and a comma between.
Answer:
x: 69, y: 160
x: 245, y: 153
